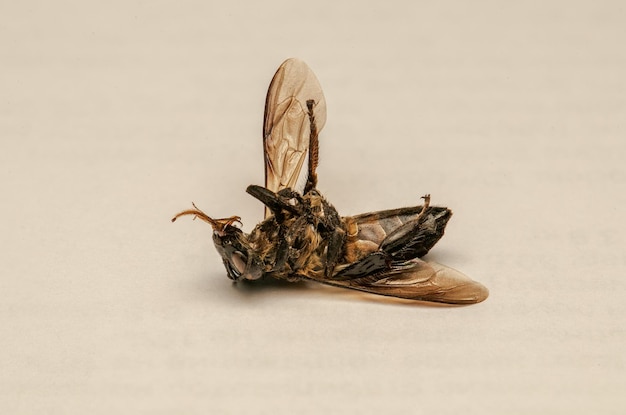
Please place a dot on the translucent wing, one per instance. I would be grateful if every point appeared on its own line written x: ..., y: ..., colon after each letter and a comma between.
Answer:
x: 419, y: 280
x: 295, y: 111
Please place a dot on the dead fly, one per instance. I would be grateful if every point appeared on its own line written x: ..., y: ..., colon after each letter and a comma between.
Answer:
x: 304, y: 238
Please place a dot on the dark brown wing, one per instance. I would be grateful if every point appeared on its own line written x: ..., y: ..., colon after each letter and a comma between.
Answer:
x: 418, y: 280
x: 287, y: 125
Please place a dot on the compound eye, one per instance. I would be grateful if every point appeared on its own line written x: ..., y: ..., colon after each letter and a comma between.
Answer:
x: 239, y: 262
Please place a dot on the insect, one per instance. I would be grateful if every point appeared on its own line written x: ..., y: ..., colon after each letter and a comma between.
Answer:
x: 303, y: 237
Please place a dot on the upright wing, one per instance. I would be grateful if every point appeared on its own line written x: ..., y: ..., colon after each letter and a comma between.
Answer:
x: 295, y: 111
x: 417, y: 280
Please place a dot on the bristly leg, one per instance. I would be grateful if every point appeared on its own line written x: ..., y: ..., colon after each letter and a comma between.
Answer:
x: 374, y: 263
x: 425, y: 208
x: 334, y: 250
x: 313, y: 149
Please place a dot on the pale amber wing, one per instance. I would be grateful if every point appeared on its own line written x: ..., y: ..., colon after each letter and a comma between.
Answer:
x: 287, y: 126
x: 419, y: 280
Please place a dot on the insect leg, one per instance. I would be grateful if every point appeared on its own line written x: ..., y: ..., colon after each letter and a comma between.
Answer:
x: 282, y: 251
x: 334, y: 250
x: 313, y: 149
x: 373, y: 263
x: 270, y: 199
x: 287, y: 193
x: 415, y: 238
x: 302, y: 241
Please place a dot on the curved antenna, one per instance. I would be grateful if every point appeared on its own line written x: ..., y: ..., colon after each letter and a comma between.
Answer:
x: 217, y: 224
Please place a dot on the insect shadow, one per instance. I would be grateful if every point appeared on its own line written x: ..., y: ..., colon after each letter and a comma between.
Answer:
x: 274, y: 288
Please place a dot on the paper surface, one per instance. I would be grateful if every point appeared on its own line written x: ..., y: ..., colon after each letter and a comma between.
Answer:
x: 115, y: 117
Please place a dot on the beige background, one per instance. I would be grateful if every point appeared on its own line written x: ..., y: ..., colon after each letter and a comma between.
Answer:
x: 114, y: 117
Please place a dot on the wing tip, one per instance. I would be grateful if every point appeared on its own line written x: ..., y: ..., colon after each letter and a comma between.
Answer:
x: 470, y: 293
x: 292, y: 61
x: 459, y: 288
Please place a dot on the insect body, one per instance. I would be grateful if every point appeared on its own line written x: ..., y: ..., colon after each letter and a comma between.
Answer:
x: 304, y: 237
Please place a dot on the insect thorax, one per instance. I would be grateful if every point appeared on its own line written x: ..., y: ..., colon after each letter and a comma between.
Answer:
x: 293, y: 243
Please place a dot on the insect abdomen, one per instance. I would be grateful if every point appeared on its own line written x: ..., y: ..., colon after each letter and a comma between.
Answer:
x: 368, y: 231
